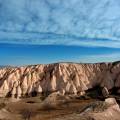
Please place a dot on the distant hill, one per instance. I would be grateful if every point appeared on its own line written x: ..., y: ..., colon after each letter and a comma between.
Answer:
x: 2, y: 66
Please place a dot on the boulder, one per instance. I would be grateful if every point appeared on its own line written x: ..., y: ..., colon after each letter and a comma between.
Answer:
x: 105, y: 92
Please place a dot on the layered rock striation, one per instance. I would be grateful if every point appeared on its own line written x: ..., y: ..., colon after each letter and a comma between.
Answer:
x: 69, y: 78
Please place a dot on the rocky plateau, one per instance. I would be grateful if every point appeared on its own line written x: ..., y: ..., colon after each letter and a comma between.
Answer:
x: 67, y: 78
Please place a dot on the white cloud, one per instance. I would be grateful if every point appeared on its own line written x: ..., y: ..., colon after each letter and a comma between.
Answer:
x: 99, y: 58
x: 56, y: 39
x: 82, y: 18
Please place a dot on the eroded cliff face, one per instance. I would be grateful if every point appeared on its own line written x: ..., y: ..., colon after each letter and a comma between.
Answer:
x: 63, y: 77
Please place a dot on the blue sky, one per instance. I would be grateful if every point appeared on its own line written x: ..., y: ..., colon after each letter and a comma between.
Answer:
x: 46, y: 31
x: 19, y: 54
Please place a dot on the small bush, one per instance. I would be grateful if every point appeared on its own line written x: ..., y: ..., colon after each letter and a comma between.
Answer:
x: 2, y: 105
x: 26, y: 114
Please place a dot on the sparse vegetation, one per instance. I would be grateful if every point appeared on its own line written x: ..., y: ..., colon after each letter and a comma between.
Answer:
x: 2, y: 105
x: 26, y: 114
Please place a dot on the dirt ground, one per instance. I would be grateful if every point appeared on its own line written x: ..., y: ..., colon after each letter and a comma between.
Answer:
x: 32, y: 109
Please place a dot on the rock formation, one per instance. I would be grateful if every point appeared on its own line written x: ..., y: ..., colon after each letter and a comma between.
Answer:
x: 65, y: 78
x: 108, y: 110
x: 99, y: 110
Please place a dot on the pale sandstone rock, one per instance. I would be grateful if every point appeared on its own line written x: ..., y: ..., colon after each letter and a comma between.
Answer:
x: 53, y: 100
x: 105, y: 92
x: 117, y: 83
x: 13, y: 92
x: 69, y: 78
x: 39, y: 89
x: 107, y: 81
x: 18, y: 91
x: 111, y: 113
x: 82, y: 93
x: 107, y: 110
x: 110, y: 101
x: 4, y: 89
